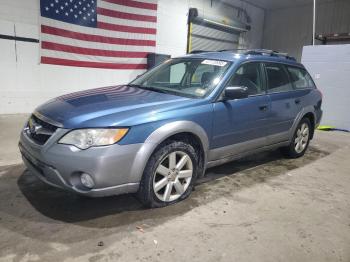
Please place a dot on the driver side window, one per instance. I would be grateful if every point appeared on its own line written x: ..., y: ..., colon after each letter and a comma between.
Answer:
x: 248, y: 75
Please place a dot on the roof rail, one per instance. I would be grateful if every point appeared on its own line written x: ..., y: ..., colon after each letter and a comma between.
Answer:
x: 244, y: 51
x: 200, y: 51
x: 269, y: 53
x: 211, y: 51
x: 233, y: 50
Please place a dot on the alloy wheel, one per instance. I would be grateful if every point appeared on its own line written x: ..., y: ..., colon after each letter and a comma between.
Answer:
x: 301, y: 138
x: 173, y: 176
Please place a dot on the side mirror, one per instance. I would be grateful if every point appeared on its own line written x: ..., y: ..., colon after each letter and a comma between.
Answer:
x: 235, y: 92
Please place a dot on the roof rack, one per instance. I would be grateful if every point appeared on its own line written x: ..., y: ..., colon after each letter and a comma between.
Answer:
x: 267, y: 52
x: 200, y: 51
x: 233, y: 50
x: 214, y: 51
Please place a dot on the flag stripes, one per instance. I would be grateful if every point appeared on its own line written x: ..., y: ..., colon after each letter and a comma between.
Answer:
x: 95, y: 38
x: 131, y: 3
x: 120, y: 38
x: 122, y: 15
x: 69, y: 62
x: 91, y: 51
x: 125, y: 28
x: 96, y: 45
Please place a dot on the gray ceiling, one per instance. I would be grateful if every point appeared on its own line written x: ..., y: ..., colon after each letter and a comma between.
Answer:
x: 276, y: 4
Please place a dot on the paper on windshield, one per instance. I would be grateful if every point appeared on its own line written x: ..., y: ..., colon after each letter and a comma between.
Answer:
x: 214, y: 62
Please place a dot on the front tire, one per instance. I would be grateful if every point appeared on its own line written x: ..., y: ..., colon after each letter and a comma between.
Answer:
x: 169, y: 175
x: 300, y: 140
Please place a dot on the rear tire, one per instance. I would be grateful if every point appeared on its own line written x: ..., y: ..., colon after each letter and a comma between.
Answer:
x: 169, y: 175
x: 300, y: 140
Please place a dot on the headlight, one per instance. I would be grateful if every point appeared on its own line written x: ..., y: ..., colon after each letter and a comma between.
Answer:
x: 85, y: 138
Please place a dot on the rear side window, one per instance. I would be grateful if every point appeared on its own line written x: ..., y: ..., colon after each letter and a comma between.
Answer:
x: 277, y: 78
x: 300, y: 78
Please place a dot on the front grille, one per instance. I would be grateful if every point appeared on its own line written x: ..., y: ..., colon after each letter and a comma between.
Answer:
x: 39, y: 131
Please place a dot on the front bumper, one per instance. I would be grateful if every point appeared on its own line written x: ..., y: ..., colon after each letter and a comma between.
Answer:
x: 61, y: 165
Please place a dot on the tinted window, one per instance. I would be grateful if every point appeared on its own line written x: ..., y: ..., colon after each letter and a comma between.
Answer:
x: 248, y: 75
x: 277, y: 78
x: 300, y: 78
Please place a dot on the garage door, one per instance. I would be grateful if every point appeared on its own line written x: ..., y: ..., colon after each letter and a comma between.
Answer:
x: 210, y: 39
x: 209, y: 35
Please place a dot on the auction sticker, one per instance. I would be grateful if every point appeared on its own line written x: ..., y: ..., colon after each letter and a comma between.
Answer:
x: 214, y: 62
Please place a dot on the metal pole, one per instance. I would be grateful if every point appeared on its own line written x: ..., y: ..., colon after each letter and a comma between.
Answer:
x: 314, y: 24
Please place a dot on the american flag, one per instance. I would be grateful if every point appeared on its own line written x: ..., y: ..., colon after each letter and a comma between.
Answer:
x: 114, y: 34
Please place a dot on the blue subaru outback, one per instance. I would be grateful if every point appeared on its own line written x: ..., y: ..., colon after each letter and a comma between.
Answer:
x: 158, y: 134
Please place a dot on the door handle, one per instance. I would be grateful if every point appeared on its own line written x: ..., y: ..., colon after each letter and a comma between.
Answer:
x: 263, y: 108
x: 297, y: 101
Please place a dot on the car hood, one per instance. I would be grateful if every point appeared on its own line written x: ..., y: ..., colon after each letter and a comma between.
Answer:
x: 109, y: 106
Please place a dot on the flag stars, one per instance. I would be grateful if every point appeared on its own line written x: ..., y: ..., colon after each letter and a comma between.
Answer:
x: 82, y: 12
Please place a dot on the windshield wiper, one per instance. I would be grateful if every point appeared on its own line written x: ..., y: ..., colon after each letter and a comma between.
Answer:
x: 148, y: 88
x: 134, y: 85
x: 163, y: 91
x: 156, y: 89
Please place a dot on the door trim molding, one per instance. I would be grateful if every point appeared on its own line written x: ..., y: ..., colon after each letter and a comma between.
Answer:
x: 227, y: 151
x: 247, y: 153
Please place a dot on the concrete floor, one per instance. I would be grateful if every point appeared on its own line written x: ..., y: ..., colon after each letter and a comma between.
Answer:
x: 262, y: 208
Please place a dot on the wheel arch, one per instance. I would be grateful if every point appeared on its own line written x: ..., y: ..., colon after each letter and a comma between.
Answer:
x: 311, y: 118
x: 309, y: 113
x: 187, y: 131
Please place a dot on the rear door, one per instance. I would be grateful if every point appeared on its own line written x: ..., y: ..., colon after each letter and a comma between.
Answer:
x: 240, y: 125
x: 285, y: 102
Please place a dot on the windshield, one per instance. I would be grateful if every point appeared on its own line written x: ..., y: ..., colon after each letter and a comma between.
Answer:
x: 189, y: 77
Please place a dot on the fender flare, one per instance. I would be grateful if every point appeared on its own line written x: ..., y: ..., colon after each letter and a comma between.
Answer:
x: 302, y: 113
x: 160, y: 135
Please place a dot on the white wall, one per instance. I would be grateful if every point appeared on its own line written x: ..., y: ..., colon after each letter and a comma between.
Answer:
x: 25, y: 83
x: 330, y: 67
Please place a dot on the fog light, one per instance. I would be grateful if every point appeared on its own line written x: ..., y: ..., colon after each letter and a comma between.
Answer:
x: 87, y: 180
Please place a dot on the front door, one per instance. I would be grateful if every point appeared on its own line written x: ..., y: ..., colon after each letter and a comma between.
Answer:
x: 240, y: 125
